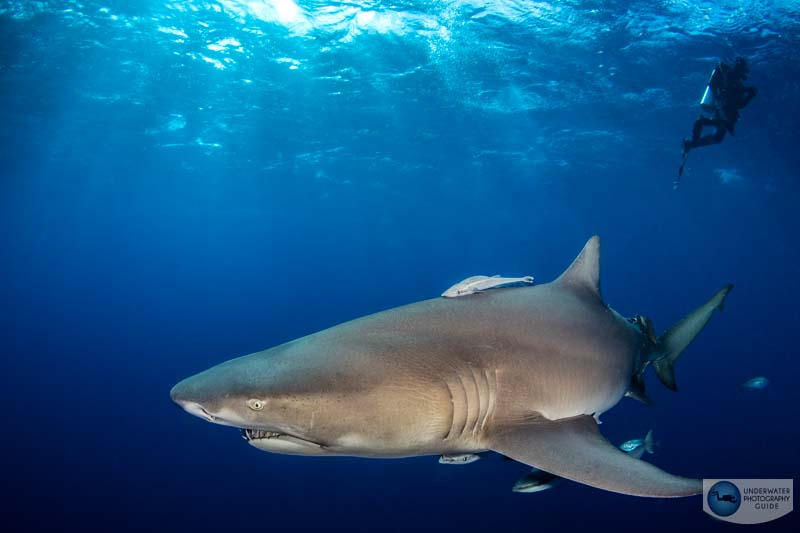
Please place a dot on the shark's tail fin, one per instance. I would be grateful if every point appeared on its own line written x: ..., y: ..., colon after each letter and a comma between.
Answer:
x: 672, y: 342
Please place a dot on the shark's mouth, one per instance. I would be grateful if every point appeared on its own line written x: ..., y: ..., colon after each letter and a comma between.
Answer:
x: 256, y: 434
x: 271, y: 439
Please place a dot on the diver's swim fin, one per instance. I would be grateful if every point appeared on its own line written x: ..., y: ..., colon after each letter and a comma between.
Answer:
x: 573, y: 448
x: 684, y: 156
x: 677, y: 182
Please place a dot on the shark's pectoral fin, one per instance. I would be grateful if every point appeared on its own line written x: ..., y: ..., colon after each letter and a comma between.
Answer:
x: 573, y: 448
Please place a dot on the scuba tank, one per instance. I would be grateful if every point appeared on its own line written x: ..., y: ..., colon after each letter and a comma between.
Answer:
x: 707, y: 101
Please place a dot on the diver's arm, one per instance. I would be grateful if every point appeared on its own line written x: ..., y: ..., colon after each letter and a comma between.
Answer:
x: 748, y: 94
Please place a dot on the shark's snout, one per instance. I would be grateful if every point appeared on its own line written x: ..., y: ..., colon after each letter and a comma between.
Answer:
x: 179, y: 393
x: 182, y: 395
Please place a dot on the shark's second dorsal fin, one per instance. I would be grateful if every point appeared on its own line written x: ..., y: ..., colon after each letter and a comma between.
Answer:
x: 584, y: 272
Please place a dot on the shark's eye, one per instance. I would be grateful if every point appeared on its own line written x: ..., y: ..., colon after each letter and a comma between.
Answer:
x: 255, y: 405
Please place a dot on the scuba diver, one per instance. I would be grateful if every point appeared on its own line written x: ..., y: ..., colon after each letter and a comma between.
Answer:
x: 724, y: 96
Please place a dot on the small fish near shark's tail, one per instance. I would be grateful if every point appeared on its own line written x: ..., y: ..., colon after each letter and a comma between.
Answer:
x: 671, y: 343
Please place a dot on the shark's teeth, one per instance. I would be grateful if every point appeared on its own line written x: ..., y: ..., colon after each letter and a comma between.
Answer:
x: 252, y: 434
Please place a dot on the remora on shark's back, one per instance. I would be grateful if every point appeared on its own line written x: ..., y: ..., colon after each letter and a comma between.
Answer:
x: 520, y: 371
x: 474, y: 284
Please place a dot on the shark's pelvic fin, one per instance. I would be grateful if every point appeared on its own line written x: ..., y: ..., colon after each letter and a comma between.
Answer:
x: 584, y: 272
x: 636, y: 390
x: 573, y: 448
x: 672, y: 342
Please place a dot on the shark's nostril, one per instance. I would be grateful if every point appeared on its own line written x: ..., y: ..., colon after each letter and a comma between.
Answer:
x: 196, y: 409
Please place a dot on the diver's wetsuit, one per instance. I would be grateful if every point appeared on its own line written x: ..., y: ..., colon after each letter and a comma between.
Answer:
x: 729, y: 94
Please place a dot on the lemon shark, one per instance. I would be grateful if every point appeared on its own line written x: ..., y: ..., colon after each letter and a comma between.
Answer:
x: 523, y: 371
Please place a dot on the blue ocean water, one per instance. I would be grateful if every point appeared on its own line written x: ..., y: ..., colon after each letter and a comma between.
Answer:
x: 188, y: 181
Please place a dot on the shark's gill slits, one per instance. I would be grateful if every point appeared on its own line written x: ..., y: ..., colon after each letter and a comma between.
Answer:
x: 472, y: 401
x: 458, y: 399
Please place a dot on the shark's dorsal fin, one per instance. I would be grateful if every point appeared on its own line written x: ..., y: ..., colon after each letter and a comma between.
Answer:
x: 584, y: 272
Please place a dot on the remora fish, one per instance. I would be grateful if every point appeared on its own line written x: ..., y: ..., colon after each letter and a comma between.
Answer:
x: 535, y: 481
x: 521, y: 372
x: 757, y: 383
x: 475, y: 284
x: 459, y: 459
